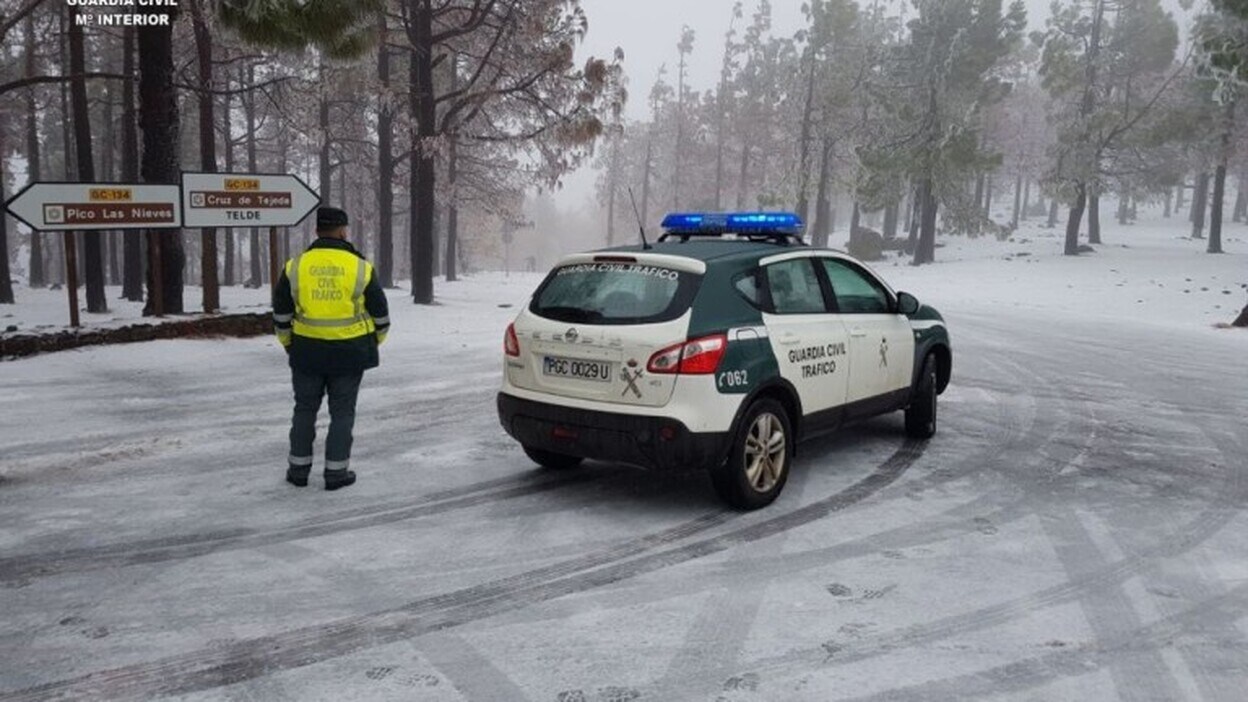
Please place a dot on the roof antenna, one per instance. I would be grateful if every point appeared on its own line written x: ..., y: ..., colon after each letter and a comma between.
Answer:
x: 645, y: 245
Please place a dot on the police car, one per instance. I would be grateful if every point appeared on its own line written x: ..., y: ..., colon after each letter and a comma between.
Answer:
x: 718, y: 348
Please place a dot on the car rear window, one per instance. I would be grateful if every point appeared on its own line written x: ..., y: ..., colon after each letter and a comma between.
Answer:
x: 614, y: 293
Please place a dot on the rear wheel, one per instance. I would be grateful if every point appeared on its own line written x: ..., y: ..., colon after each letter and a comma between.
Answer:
x: 552, y: 460
x: 921, y: 414
x: 758, y: 462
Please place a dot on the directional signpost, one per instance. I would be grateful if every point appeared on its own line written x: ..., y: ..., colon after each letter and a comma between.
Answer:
x: 96, y: 206
x: 70, y: 207
x: 203, y: 200
x: 247, y: 200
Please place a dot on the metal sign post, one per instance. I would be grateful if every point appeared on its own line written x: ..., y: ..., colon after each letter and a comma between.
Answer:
x: 70, y: 207
x: 71, y: 276
x: 274, y: 265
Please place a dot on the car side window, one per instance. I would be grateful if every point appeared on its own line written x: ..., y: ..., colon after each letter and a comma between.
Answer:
x: 794, y: 287
x: 856, y: 292
x: 749, y: 286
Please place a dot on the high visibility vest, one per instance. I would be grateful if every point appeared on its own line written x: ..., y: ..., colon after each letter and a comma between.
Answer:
x: 327, y: 286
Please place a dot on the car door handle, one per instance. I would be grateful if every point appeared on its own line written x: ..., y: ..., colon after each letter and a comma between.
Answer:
x: 857, y: 332
x: 790, y: 339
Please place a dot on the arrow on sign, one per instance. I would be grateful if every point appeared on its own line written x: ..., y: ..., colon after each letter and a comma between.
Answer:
x: 245, y: 200
x: 50, y: 206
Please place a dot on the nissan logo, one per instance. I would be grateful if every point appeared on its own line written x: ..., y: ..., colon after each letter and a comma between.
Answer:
x: 571, y: 335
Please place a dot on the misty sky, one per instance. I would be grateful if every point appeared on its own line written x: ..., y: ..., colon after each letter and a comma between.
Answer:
x: 648, y: 30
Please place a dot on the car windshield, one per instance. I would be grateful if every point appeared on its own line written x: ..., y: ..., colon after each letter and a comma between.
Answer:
x: 614, y: 293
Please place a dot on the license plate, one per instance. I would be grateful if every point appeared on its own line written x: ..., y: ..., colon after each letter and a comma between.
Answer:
x: 598, y: 371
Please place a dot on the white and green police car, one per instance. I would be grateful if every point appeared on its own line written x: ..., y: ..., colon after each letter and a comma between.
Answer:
x: 718, y: 348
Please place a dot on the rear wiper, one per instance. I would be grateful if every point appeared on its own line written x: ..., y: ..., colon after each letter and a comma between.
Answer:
x: 572, y: 314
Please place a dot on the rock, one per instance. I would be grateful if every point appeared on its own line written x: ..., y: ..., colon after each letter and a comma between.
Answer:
x: 866, y: 245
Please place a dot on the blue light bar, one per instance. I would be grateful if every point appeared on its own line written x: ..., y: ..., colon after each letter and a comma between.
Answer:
x: 734, y: 222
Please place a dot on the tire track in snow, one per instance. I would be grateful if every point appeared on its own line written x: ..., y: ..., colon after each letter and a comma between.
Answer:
x: 1211, y: 520
x: 212, y: 668
x: 40, y: 565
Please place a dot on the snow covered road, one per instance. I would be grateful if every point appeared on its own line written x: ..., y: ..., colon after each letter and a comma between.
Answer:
x: 1075, y: 531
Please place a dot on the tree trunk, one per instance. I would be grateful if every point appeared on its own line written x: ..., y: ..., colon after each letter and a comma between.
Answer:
x: 385, y: 163
x: 1219, y: 180
x: 93, y: 253
x: 645, y: 179
x: 6, y: 282
x: 1215, y: 210
x: 158, y: 118
x: 452, y: 213
x: 987, y: 197
x: 855, y: 222
x: 1169, y: 203
x: 228, y: 277
x: 925, y: 248
x: 979, y: 192
x: 1018, y: 201
x: 613, y: 174
x: 109, y: 174
x: 890, y: 220
x: 132, y: 246
x: 1124, y: 207
x: 1026, y: 197
x: 1237, y: 212
x: 744, y: 175
x: 1094, y: 218
x: 803, y: 171
x: 248, y: 79
x: 36, y: 278
x: 324, y: 166
x: 423, y: 113
x: 1053, y: 205
x: 916, y: 219
x: 1180, y: 192
x: 1075, y: 220
x: 823, y: 203
x: 207, y: 154
x: 1200, y: 203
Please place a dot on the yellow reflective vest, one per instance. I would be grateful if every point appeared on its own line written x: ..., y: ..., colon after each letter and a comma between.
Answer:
x: 327, y: 286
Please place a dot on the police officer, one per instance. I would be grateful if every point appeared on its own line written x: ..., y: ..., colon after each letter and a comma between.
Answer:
x: 330, y: 314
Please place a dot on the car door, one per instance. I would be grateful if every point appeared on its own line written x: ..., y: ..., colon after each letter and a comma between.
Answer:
x: 809, y: 342
x: 881, y: 341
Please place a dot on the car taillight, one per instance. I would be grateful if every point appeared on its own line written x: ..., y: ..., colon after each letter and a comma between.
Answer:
x: 511, y: 345
x: 695, y: 357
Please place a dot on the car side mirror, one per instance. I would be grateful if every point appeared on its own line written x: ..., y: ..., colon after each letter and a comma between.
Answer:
x: 907, y: 304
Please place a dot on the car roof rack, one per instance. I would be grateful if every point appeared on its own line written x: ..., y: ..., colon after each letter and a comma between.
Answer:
x: 780, y: 228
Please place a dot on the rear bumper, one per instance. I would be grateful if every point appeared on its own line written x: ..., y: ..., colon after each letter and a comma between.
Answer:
x: 650, y: 442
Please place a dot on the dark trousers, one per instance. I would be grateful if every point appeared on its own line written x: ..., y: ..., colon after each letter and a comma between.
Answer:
x: 309, y: 389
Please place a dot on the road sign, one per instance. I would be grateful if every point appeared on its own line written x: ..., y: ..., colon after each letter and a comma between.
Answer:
x: 96, y: 206
x: 245, y: 200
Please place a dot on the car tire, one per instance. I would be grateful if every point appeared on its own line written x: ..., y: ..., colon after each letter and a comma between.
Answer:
x: 755, y: 473
x: 921, y: 414
x: 552, y: 460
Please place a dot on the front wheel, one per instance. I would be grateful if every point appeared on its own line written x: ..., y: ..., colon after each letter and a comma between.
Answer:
x: 921, y: 414
x: 758, y: 462
x: 552, y: 460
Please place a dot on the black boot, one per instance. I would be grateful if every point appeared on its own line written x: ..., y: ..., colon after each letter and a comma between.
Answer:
x: 298, y: 475
x: 335, y: 479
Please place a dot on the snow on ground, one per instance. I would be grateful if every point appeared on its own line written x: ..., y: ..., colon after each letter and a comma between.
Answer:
x: 1073, y: 532
x: 1148, y: 273
x: 44, y: 310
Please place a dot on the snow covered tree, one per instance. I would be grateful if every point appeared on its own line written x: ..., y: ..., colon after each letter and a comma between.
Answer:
x: 939, y: 83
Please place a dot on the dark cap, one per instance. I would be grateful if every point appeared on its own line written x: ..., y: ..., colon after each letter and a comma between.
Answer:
x: 330, y: 218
